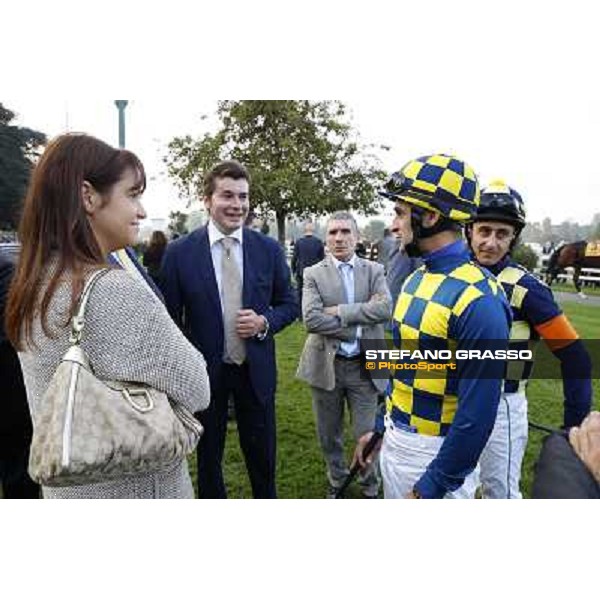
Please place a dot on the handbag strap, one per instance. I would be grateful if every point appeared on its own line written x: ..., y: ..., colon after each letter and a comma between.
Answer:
x: 78, y: 320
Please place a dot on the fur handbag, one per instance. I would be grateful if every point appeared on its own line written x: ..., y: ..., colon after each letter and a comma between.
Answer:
x: 88, y: 430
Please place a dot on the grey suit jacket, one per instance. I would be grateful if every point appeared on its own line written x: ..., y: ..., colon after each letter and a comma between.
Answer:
x: 323, y: 287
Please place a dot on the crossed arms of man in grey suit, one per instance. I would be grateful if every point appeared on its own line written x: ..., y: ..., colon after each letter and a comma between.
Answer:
x: 323, y: 285
x: 330, y: 320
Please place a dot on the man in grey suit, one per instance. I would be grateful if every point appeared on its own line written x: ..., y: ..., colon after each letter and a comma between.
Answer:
x: 345, y: 300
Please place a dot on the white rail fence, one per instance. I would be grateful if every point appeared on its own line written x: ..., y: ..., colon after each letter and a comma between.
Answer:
x: 588, y: 276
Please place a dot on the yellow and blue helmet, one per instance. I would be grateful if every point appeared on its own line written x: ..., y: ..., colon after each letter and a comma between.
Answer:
x: 439, y: 183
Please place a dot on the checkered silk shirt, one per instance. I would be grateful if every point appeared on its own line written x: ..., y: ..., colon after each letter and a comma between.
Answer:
x: 531, y: 303
x: 432, y: 313
x: 449, y: 303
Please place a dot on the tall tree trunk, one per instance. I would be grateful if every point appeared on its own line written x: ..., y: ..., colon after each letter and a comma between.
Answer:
x: 280, y: 216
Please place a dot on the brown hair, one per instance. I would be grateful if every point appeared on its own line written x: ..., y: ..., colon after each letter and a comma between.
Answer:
x: 228, y: 168
x: 54, y: 223
x: 158, y: 240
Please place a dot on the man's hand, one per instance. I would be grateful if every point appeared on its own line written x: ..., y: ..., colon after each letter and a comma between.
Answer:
x: 332, y: 311
x: 249, y: 323
x: 364, y: 462
x: 586, y: 442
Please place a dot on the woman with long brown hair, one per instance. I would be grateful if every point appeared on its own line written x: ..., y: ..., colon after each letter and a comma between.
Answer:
x: 83, y: 202
x: 154, y: 253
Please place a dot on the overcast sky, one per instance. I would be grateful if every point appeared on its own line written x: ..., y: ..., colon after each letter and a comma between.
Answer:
x: 513, y: 93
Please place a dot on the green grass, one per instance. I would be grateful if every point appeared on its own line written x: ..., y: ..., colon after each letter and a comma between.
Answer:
x: 300, y: 467
x: 570, y: 288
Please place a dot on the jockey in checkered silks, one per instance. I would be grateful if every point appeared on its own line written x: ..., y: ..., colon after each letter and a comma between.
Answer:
x: 436, y: 426
x: 535, y: 313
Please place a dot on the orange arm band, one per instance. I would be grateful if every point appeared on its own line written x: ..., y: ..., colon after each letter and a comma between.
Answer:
x: 557, y: 332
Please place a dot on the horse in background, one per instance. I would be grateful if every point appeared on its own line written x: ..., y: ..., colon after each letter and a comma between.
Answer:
x: 573, y: 255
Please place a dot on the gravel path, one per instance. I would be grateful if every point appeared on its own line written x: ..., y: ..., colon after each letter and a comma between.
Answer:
x: 573, y: 297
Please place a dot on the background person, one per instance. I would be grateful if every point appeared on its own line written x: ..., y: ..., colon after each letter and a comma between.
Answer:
x: 400, y: 265
x: 308, y: 251
x: 346, y: 300
x: 229, y: 288
x: 498, y: 222
x: 15, y: 421
x: 384, y: 248
x: 153, y: 255
x: 83, y: 203
x: 361, y: 249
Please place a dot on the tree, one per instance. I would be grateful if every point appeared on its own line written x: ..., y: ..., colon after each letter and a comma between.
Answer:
x: 19, y: 148
x: 304, y: 157
x: 178, y: 223
x: 525, y: 256
x: 373, y: 230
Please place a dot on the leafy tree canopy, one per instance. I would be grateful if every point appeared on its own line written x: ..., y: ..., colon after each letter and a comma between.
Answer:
x: 525, y: 256
x: 178, y: 223
x: 373, y: 230
x: 19, y: 148
x: 303, y: 156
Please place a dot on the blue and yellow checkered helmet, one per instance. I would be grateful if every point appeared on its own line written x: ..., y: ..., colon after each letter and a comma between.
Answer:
x: 440, y: 183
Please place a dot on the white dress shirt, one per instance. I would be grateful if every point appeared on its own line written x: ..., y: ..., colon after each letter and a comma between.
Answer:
x: 348, y: 348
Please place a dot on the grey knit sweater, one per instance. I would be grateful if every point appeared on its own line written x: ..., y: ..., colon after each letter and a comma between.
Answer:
x: 128, y: 336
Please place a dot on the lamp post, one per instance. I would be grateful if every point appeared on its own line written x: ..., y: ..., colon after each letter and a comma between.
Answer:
x: 121, y: 104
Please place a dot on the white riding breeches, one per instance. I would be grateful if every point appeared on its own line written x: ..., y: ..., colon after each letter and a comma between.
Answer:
x: 404, y: 458
x: 501, y: 459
